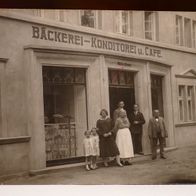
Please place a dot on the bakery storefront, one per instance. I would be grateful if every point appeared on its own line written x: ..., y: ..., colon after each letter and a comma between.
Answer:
x: 68, y: 76
x: 89, y: 72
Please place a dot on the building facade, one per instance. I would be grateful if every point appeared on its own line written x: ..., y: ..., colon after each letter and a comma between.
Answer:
x: 59, y: 68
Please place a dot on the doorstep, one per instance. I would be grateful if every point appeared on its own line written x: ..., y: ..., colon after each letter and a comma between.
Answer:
x: 55, y: 169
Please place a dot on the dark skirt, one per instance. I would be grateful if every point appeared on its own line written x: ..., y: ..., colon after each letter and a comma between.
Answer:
x: 108, y: 147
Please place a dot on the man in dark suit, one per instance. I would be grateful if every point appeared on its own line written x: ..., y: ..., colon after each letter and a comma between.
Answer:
x: 137, y: 120
x: 157, y: 132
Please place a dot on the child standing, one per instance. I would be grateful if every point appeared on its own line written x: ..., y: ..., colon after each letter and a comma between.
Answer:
x: 95, y: 147
x: 88, y: 150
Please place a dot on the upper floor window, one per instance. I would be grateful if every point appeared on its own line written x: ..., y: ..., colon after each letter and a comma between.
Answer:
x: 91, y: 18
x: 124, y: 22
x: 179, y: 31
x: 150, y: 25
x: 47, y: 14
x: 187, y: 32
x: 194, y: 33
x: 38, y: 12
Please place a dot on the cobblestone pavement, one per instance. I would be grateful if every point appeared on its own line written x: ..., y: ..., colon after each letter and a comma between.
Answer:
x: 179, y: 167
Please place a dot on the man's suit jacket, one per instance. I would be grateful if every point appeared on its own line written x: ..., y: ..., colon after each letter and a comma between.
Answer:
x: 152, y: 128
x: 137, y: 128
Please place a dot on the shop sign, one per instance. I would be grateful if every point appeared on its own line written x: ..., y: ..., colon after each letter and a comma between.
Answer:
x: 94, y: 42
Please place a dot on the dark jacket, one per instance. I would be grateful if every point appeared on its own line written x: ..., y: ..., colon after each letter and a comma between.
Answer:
x: 137, y: 128
x: 152, y: 131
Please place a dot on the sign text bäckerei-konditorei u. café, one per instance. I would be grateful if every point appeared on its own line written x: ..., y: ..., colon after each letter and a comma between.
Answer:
x: 92, y: 41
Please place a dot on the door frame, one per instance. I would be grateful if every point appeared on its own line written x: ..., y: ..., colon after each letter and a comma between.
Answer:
x: 34, y: 58
x: 165, y: 72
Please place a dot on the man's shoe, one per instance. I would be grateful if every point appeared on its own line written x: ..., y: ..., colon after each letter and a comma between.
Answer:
x: 153, y: 158
x: 163, y: 157
x: 128, y: 163
x: 141, y: 153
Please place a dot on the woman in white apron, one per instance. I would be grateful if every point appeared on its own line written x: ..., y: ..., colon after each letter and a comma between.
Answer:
x: 123, y: 137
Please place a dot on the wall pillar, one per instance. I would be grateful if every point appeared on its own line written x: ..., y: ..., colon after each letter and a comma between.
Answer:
x: 104, y: 86
x: 144, y: 101
x: 35, y: 113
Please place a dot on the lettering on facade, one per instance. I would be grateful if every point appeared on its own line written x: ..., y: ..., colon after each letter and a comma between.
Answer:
x: 95, y: 42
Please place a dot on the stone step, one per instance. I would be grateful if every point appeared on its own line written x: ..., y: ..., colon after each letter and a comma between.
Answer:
x: 138, y: 159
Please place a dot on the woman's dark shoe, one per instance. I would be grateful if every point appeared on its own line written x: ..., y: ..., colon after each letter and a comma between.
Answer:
x: 128, y: 163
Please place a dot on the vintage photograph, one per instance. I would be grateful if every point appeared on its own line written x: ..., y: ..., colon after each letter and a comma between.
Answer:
x: 97, y: 97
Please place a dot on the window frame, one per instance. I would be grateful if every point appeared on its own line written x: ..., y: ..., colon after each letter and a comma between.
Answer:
x: 97, y: 24
x: 119, y: 22
x: 186, y: 99
x: 194, y: 33
x: 181, y: 98
x: 187, y: 33
x: 153, y: 25
x: 180, y: 30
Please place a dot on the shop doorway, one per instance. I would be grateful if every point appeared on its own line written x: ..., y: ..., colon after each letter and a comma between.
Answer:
x: 65, y: 114
x: 157, y: 93
x: 121, y: 88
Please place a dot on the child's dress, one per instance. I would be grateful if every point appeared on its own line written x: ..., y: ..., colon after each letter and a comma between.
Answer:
x: 88, y: 147
x: 95, y: 145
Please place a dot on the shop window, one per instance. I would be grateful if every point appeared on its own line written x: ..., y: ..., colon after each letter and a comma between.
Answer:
x: 187, y: 32
x: 65, y: 112
x: 179, y: 31
x: 124, y: 22
x: 186, y: 103
x: 3, y: 116
x: 194, y: 34
x: 91, y: 18
x: 150, y: 25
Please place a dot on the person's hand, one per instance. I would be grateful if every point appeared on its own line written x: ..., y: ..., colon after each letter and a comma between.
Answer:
x: 136, y: 122
x: 105, y: 135
x: 109, y: 133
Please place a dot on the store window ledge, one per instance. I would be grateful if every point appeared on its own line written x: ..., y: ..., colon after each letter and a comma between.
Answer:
x: 185, y: 124
x: 13, y: 140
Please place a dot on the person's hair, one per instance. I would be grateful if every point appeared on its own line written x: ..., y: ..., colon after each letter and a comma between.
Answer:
x: 94, y: 128
x: 104, y: 110
x: 120, y: 102
x: 85, y: 133
x: 123, y: 111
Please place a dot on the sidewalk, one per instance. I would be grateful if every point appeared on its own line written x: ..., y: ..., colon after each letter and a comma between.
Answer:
x: 179, y: 167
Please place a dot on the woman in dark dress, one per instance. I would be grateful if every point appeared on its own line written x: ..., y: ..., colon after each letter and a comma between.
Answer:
x: 107, y: 144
